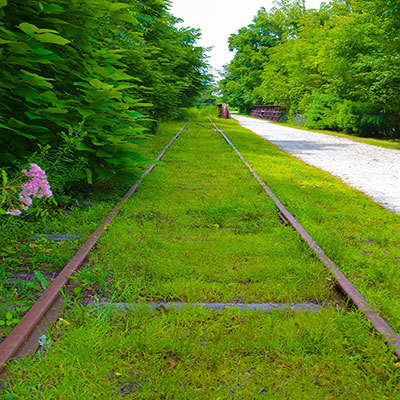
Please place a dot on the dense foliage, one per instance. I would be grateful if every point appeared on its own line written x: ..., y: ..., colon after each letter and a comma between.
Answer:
x: 339, y: 65
x: 80, y: 81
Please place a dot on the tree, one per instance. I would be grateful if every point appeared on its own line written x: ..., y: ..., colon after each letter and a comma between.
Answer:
x: 338, y: 65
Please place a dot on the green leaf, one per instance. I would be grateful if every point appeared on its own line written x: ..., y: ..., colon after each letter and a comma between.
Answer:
x: 55, y: 110
x: 9, y: 315
x: 31, y: 116
x: 51, y: 38
x: 119, y: 6
x: 52, y: 8
x: 134, y: 114
x: 85, y: 113
x: 47, y: 30
x: 41, y: 51
x: 29, y: 29
x: 3, y: 3
x: 83, y: 147
x: 89, y: 175
x: 36, y: 79
x: 127, y: 18
x: 77, y: 291
x: 103, y: 154
x: 42, y: 280
x: 3, y: 198
x: 116, y: 161
x: 100, y: 85
x: 4, y: 176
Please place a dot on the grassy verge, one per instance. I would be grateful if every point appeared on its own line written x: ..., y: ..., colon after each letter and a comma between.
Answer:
x: 27, y: 268
x: 386, y: 143
x: 201, y: 229
x: 360, y: 236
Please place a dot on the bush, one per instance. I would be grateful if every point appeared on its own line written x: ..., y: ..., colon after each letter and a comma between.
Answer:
x: 320, y: 112
x: 77, y: 79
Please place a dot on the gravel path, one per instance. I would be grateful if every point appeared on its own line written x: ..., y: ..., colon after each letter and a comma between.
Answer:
x: 373, y: 170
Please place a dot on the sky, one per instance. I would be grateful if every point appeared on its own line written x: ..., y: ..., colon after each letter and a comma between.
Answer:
x: 218, y: 19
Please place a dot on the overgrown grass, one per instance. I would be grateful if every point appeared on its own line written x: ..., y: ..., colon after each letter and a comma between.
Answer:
x: 200, y: 228
x: 358, y: 234
x: 202, y: 354
x: 21, y: 260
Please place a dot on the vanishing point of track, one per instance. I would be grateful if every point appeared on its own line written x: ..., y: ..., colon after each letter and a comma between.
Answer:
x: 23, y: 340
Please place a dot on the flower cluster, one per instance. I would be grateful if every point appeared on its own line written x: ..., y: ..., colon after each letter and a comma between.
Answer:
x: 36, y: 186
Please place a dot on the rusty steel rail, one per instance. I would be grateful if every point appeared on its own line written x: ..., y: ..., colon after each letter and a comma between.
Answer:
x: 380, y: 325
x: 49, y: 301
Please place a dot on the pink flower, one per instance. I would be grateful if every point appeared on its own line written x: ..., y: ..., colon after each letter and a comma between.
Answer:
x: 25, y: 200
x: 36, y: 186
x: 14, y: 212
x: 35, y: 172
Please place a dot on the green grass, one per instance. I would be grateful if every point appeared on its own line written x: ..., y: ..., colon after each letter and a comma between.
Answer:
x: 202, y: 354
x: 83, y: 211
x: 20, y: 259
x: 359, y: 235
x: 201, y: 229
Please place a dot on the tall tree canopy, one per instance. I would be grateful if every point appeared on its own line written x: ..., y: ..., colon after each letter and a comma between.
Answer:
x: 339, y: 65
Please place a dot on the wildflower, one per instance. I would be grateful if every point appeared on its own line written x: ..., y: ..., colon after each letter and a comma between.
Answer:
x: 35, y: 172
x: 25, y: 199
x: 14, y: 212
x: 36, y: 186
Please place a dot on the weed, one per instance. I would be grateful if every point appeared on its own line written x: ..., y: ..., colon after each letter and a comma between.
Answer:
x: 93, y: 279
x: 10, y: 316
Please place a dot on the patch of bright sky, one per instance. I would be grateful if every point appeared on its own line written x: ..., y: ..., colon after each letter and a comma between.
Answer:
x: 218, y: 19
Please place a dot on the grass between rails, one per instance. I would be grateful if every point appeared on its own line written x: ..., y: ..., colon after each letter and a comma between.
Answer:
x: 199, y: 229
x: 194, y: 234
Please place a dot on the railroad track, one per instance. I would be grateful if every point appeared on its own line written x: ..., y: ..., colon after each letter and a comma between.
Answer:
x: 348, y: 289
x: 23, y: 339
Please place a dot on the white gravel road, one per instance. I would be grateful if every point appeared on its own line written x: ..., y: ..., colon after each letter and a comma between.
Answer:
x: 373, y: 170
